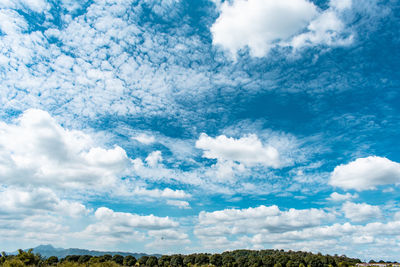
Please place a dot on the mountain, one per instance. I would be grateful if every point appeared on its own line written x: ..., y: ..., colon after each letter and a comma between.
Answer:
x: 48, y: 250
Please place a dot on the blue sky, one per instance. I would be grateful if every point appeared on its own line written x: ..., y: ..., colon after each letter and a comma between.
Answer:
x: 184, y: 126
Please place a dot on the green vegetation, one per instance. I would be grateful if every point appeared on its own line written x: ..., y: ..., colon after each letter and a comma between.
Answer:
x: 237, y: 258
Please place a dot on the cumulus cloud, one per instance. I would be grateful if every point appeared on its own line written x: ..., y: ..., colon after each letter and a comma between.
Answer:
x: 12, y: 22
x: 166, y: 238
x: 144, y: 139
x: 262, y: 218
x: 247, y: 150
x: 34, y: 5
x: 310, y: 230
x: 179, y: 203
x: 36, y: 150
x: 23, y: 203
x: 133, y: 220
x: 45, y: 228
x: 366, y: 173
x: 231, y: 228
x: 359, y: 212
x: 261, y: 25
x: 341, y: 197
x: 157, y: 193
x: 154, y: 158
x: 111, y: 226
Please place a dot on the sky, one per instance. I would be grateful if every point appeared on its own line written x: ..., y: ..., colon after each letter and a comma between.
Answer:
x: 178, y: 126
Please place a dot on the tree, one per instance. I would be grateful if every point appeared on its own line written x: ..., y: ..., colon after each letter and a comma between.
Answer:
x: 143, y: 260
x: 242, y: 261
x: 94, y: 260
x: 72, y: 258
x: 228, y: 260
x: 105, y: 257
x: 268, y: 261
x: 129, y: 260
x: 189, y: 260
x: 176, y: 260
x: 53, y: 260
x: 84, y: 258
x: 216, y: 260
x: 254, y: 260
x: 118, y: 259
x: 152, y: 261
x: 13, y: 262
x: 27, y: 257
x: 201, y: 259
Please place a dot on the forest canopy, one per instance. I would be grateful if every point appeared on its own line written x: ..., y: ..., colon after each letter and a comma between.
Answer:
x: 239, y: 258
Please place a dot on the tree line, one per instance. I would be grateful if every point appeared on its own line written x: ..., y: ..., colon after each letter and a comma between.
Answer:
x: 236, y: 258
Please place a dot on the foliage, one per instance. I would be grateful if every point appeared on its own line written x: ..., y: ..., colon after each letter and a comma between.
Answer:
x: 129, y: 261
x: 236, y: 258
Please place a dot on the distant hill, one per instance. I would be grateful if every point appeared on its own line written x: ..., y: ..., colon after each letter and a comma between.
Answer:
x: 48, y: 250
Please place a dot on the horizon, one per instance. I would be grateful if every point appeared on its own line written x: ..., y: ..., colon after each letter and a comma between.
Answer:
x: 138, y: 252
x: 181, y: 126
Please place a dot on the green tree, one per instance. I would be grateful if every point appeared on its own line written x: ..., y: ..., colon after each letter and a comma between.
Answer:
x: 27, y: 257
x: 53, y: 260
x: 268, y: 261
x: 94, y: 260
x: 105, y: 257
x: 189, y: 260
x: 118, y: 259
x: 164, y: 261
x: 13, y: 262
x: 72, y: 258
x: 129, y: 260
x: 177, y: 260
x: 228, y: 260
x: 242, y: 261
x: 216, y: 260
x: 201, y: 259
x: 142, y: 260
x: 84, y: 258
x: 152, y: 261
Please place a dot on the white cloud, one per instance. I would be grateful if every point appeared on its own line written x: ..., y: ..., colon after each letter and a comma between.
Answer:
x: 255, y: 228
x: 261, y: 25
x: 22, y: 203
x: 262, y: 218
x: 325, y: 29
x: 341, y: 197
x: 154, y: 159
x: 366, y: 173
x: 46, y: 228
x: 242, y: 228
x: 34, y: 5
x: 11, y: 22
x: 179, y: 203
x: 144, y: 139
x: 247, y: 150
x: 341, y: 4
x: 107, y: 215
x: 168, y: 234
x: 36, y: 150
x: 157, y: 193
x: 166, y: 238
x: 111, y: 226
x: 359, y: 212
